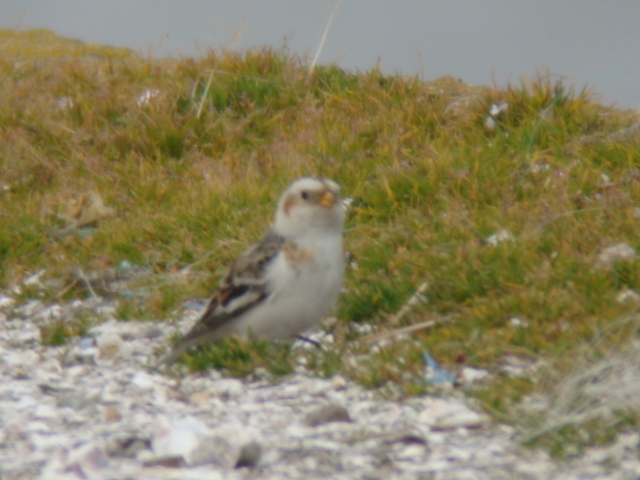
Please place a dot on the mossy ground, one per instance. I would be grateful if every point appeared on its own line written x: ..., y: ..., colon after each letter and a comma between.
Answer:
x: 193, y: 170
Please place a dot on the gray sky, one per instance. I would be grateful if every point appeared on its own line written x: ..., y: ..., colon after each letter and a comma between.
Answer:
x: 478, y: 41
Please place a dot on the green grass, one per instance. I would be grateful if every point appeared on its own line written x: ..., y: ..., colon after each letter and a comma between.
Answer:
x: 193, y: 175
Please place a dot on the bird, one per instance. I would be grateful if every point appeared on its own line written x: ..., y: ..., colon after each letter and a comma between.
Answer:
x: 284, y: 284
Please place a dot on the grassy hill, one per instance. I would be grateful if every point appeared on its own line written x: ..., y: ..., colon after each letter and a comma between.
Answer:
x: 504, y: 201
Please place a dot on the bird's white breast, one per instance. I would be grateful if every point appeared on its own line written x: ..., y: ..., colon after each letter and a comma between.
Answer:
x: 304, y: 283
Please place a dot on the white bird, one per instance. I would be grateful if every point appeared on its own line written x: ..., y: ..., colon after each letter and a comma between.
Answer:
x: 284, y: 284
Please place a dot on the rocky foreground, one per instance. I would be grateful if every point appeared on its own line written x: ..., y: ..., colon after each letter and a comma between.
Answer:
x: 93, y: 410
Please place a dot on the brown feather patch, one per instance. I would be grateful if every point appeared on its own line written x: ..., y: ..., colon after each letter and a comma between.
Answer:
x: 288, y: 204
x: 296, y: 255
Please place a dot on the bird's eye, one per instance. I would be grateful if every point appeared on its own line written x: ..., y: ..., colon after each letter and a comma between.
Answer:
x: 304, y: 195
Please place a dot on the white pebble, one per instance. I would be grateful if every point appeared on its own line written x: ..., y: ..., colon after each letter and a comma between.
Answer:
x: 109, y: 345
x: 499, y: 237
x: 444, y: 414
x: 628, y: 296
x: 45, y: 411
x: 34, y: 280
x: 471, y: 375
x: 7, y: 302
x: 620, y: 252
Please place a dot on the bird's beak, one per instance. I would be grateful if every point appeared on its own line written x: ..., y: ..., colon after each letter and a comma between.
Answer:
x: 328, y: 199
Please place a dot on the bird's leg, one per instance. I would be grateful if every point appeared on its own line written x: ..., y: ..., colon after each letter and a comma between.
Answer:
x: 312, y: 342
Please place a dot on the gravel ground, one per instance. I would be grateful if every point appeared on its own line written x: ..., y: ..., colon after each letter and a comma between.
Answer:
x: 94, y: 411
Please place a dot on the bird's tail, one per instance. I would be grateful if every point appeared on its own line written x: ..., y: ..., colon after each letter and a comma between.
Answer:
x: 176, y: 352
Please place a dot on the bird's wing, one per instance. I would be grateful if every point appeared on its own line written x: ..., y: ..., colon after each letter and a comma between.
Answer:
x: 244, y: 287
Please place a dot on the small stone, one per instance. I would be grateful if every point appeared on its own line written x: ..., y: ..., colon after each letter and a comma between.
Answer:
x: 499, y: 237
x: 178, y: 438
x: 88, y: 460
x: 620, y: 252
x: 150, y: 331
x: 109, y: 345
x: 82, y: 356
x: 143, y: 380
x: 34, y: 280
x: 518, y: 322
x: 21, y: 358
x: 111, y: 414
x: 498, y: 109
x: 410, y: 452
x: 201, y: 399
x: 465, y: 419
x: 52, y: 312
x: 261, y: 373
x: 107, y: 311
x: 519, y: 367
x: 327, y: 414
x: 168, y: 461
x: 539, y: 167
x: 45, y: 412
x: 87, y: 342
x: 407, y: 438
x: 146, y: 96
x: 470, y: 375
x: 443, y: 414
x: 7, y: 302
x: 128, y: 447
x: 73, y: 400
x: 363, y: 328
x: 628, y: 296
x: 339, y: 382
x: 215, y: 450
x: 65, y: 103
x: 27, y: 335
x: 249, y: 455
x: 30, y: 308
x: 227, y: 388
x: 490, y: 123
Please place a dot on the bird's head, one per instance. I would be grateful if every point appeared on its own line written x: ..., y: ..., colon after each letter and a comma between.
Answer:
x: 310, y: 206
